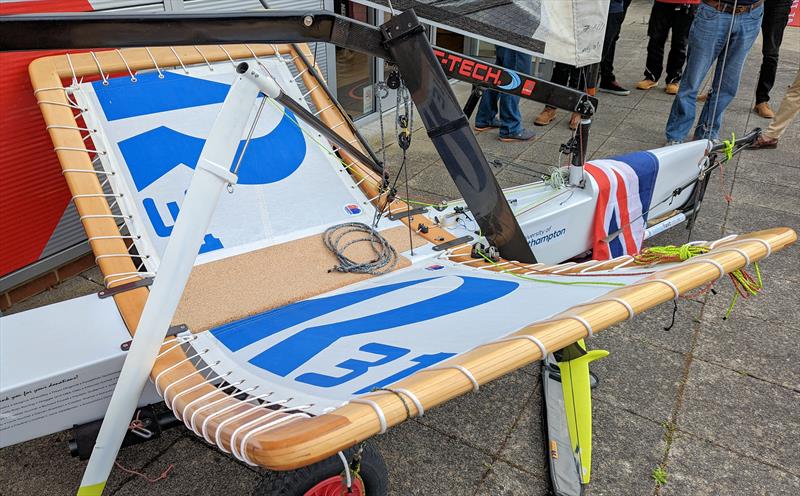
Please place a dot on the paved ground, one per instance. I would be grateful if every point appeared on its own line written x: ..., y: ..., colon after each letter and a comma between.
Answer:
x: 705, y: 401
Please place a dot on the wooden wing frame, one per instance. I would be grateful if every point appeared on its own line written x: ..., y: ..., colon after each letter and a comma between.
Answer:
x: 284, y: 439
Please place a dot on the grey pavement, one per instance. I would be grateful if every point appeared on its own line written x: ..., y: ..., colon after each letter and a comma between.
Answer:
x: 715, y: 404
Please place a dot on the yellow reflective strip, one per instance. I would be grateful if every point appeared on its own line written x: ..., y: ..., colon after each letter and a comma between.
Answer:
x: 93, y: 490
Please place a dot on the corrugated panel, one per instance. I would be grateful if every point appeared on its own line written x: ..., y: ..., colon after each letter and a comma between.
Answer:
x: 35, y: 220
x: 222, y: 5
x: 128, y: 5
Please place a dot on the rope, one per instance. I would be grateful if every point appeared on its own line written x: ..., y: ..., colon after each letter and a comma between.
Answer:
x: 745, y: 284
x: 385, y: 255
x: 547, y: 281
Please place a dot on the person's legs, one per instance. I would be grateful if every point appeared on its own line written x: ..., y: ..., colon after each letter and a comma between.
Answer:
x: 790, y: 107
x: 681, y: 23
x: 487, y: 107
x: 510, y: 117
x: 705, y: 38
x: 726, y: 79
x: 657, y: 32
x: 776, y: 15
x: 613, y: 27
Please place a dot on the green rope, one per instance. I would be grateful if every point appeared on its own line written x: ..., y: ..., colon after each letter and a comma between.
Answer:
x: 729, y: 146
x: 743, y: 283
x: 669, y: 253
x: 547, y: 281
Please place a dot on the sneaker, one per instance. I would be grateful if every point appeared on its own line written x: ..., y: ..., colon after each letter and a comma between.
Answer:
x: 479, y: 128
x: 545, y: 117
x: 672, y: 142
x: 523, y: 135
x: 646, y: 84
x: 763, y: 110
x: 672, y: 88
x: 574, y: 121
x: 614, y: 88
x: 764, y: 142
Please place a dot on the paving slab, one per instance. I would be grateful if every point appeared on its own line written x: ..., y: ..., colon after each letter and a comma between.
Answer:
x: 503, y: 479
x: 466, y: 418
x: 649, y: 327
x: 742, y: 414
x: 769, y: 195
x: 637, y: 376
x: 57, y: 473
x: 424, y: 462
x: 739, y: 344
x: 74, y: 287
x: 752, y: 169
x: 700, y: 468
x: 205, y: 471
x: 524, y: 448
x: 625, y: 450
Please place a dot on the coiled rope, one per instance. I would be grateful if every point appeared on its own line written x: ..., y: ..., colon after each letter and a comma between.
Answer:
x: 340, y: 237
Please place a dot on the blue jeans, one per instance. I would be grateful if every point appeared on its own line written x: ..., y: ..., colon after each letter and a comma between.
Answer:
x: 707, y: 39
x: 510, y: 118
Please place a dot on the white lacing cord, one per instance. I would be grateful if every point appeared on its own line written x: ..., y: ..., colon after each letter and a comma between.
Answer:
x: 185, y: 70
x: 622, y: 302
x: 629, y: 261
x: 155, y: 64
x: 669, y: 284
x: 528, y: 337
x: 346, y: 470
x: 463, y: 370
x: 764, y: 243
x: 190, y: 374
x: 218, y: 390
x: 99, y: 69
x: 225, y: 397
x: 210, y: 67
x: 128, y: 67
x: 561, y: 267
x: 181, y: 340
x: 72, y: 69
x: 417, y: 402
x: 210, y: 380
x: 248, y: 425
x: 233, y: 62
x: 378, y: 412
x: 171, y: 404
x: 701, y: 260
x: 271, y: 425
x: 127, y: 277
x: 736, y: 250
x: 729, y: 237
x: 76, y: 149
x: 175, y: 365
x: 240, y: 454
x: 252, y: 409
x: 234, y: 404
x: 581, y: 320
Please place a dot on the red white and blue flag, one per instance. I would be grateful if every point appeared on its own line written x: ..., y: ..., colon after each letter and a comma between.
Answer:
x: 625, y: 185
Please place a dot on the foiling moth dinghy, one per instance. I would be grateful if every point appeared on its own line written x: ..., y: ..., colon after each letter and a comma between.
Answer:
x: 319, y: 310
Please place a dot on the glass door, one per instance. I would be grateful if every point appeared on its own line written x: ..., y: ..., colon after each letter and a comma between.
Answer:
x: 355, y: 72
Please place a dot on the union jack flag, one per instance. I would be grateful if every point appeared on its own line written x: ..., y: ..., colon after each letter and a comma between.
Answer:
x: 625, y: 185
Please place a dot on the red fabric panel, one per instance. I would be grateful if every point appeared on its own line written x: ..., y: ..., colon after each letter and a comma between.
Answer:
x: 33, y: 194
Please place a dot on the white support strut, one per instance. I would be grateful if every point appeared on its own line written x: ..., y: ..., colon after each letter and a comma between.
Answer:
x: 210, y: 178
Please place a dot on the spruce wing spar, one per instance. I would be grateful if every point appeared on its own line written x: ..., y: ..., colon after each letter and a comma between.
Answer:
x: 304, y: 371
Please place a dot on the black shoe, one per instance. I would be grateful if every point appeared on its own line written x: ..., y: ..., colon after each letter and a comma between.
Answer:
x: 614, y: 88
x: 523, y: 135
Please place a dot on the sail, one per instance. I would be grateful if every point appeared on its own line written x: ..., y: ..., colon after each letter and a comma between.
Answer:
x: 568, y: 31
